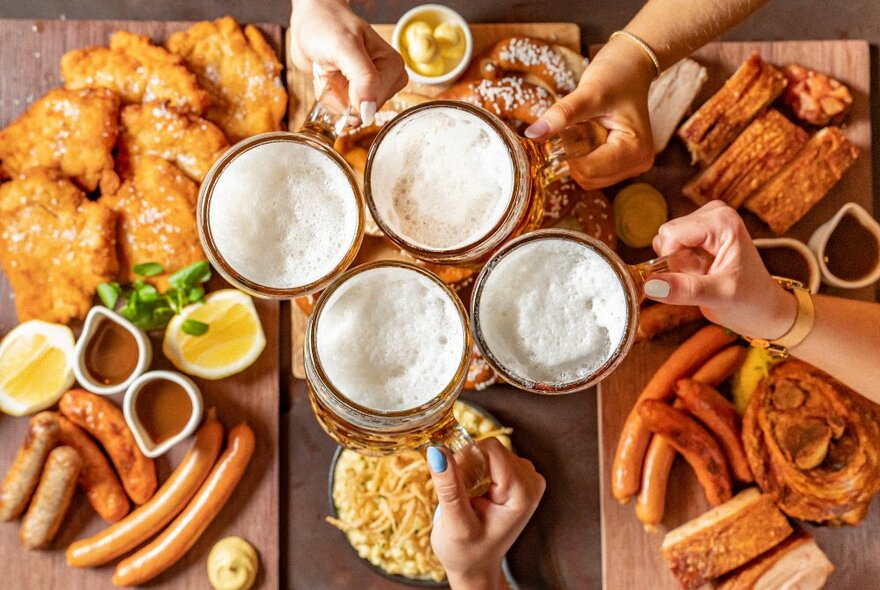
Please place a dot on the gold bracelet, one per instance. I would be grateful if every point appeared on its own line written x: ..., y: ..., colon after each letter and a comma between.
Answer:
x: 643, y: 46
x: 803, y: 323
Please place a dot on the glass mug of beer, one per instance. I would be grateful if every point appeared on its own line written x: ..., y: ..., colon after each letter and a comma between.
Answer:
x: 555, y: 311
x: 387, y: 351
x: 280, y: 214
x: 449, y: 182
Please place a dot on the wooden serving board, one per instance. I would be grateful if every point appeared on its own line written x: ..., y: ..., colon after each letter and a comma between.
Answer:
x: 31, y: 51
x: 630, y: 556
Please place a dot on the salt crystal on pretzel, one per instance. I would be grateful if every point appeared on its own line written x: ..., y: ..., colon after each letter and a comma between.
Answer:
x: 531, y: 56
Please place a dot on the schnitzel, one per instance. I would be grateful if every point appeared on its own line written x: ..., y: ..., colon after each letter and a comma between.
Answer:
x: 137, y: 71
x: 156, y: 206
x: 73, y: 131
x: 56, y: 246
x: 154, y: 129
x: 241, y: 73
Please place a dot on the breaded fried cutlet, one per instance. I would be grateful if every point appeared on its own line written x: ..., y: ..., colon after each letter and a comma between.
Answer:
x: 56, y: 246
x: 73, y: 131
x: 157, y: 219
x: 240, y: 71
x: 137, y: 71
x: 154, y: 129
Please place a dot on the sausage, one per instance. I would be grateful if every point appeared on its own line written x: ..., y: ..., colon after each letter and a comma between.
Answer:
x: 52, y: 498
x: 147, y: 520
x: 661, y: 318
x: 96, y: 478
x: 23, y: 475
x: 173, y: 543
x: 104, y: 420
x: 626, y: 471
x: 721, y: 366
x: 696, y: 445
x: 720, y: 417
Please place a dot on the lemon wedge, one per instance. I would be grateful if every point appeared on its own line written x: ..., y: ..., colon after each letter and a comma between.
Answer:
x: 35, y: 367
x: 233, y: 341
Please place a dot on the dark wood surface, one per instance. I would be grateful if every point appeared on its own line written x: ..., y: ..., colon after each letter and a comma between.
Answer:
x: 30, y: 51
x: 630, y: 555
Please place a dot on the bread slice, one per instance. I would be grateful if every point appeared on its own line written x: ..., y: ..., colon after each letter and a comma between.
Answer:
x: 723, y: 117
x: 724, y: 538
x: 767, y: 144
x: 796, y: 563
x: 671, y: 96
x: 805, y: 180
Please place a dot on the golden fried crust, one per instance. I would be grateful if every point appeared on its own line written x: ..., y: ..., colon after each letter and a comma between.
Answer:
x: 240, y: 71
x: 56, y: 246
x: 154, y: 129
x: 157, y: 219
x: 69, y: 130
x: 137, y: 71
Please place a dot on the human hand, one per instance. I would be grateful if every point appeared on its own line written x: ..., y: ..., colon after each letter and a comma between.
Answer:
x: 327, y: 34
x: 613, y: 92
x: 472, y: 535
x: 737, y: 291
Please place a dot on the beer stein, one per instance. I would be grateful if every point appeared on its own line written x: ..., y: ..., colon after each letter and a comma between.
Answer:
x: 280, y: 214
x: 594, y: 309
x: 448, y: 182
x: 387, y: 351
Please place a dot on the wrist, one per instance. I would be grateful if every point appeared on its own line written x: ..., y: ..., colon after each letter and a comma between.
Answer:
x: 487, y: 579
x: 626, y: 58
x: 781, y: 316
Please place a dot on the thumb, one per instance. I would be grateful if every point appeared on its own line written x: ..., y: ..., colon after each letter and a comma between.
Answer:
x: 455, y: 506
x: 685, y: 289
x: 573, y: 108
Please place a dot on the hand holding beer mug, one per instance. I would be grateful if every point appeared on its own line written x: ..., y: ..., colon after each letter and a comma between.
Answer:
x: 386, y: 355
x: 555, y: 311
x: 280, y: 214
x: 449, y: 182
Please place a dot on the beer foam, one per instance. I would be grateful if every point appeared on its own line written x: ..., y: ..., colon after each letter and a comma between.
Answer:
x: 441, y: 179
x: 553, y: 311
x: 390, y: 339
x: 283, y: 214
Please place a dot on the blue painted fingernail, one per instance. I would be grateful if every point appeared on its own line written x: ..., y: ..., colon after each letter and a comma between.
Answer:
x: 436, y: 459
x: 436, y: 514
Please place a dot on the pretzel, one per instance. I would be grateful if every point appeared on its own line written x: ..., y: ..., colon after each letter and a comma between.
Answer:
x: 556, y: 67
x: 596, y: 217
x: 510, y: 98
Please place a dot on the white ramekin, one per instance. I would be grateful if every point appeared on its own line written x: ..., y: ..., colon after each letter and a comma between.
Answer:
x: 96, y: 315
x: 819, y: 240
x: 140, y: 435
x: 449, y: 15
x: 809, y: 257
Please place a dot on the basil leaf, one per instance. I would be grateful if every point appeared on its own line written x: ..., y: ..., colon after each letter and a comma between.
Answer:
x: 194, y: 327
x: 147, y: 293
x: 199, y: 272
x: 195, y: 294
x: 148, y: 269
x: 109, y: 294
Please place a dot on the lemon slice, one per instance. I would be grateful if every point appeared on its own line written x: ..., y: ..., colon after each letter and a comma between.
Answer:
x: 35, y: 367
x: 232, y: 343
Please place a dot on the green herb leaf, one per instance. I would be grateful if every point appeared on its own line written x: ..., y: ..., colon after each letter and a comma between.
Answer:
x: 148, y: 269
x: 147, y: 293
x: 194, y: 327
x: 195, y: 294
x: 199, y: 272
x: 109, y: 294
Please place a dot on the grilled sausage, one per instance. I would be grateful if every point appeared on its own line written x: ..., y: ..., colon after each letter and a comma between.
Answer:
x: 23, y: 475
x: 52, y: 498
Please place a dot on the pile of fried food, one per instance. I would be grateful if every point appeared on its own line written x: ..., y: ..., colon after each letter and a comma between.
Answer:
x: 385, y: 505
x: 70, y: 448
x: 104, y: 173
x: 809, y: 443
x: 752, y: 155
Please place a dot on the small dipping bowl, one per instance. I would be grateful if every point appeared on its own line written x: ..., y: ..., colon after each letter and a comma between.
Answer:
x: 819, y: 243
x: 788, y: 253
x: 107, y: 330
x: 140, y: 411
x: 434, y: 14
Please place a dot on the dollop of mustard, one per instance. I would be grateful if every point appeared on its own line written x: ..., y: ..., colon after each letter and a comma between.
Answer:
x: 232, y: 564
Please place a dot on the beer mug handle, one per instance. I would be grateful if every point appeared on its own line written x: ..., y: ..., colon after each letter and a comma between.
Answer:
x: 331, y: 112
x: 687, y: 260
x: 467, y: 455
x: 572, y: 142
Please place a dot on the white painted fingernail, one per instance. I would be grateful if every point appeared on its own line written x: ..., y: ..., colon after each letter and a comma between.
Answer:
x: 657, y: 289
x: 368, y: 111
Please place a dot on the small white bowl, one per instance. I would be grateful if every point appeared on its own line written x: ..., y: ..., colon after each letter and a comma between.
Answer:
x: 448, y: 15
x: 819, y: 239
x: 809, y: 257
x: 143, y: 440
x: 96, y: 315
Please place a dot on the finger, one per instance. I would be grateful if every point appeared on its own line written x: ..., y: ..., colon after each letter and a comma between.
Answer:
x: 688, y: 289
x: 709, y: 228
x: 573, y: 108
x: 502, y: 467
x: 455, y: 508
x: 621, y: 156
x: 355, y: 63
